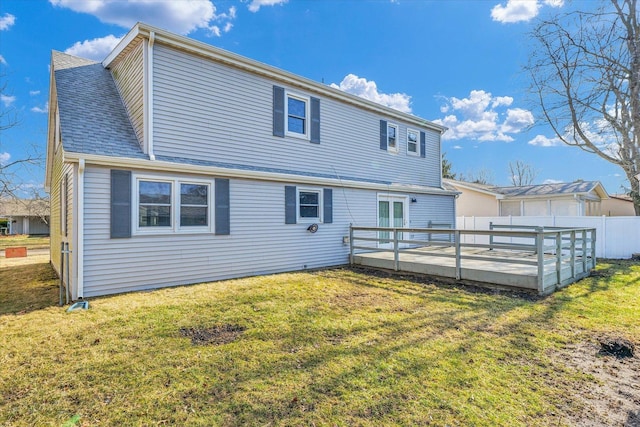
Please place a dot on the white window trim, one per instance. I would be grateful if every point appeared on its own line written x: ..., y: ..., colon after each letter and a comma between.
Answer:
x: 175, y: 227
x: 306, y: 220
x: 397, y: 146
x: 417, y: 152
x: 307, y: 112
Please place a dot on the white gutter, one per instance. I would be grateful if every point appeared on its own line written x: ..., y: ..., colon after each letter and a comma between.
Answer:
x: 80, y: 233
x: 157, y: 165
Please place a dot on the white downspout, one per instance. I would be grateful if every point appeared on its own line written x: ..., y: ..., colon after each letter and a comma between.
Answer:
x: 80, y: 233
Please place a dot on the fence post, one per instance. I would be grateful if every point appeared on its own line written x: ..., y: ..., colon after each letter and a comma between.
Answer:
x: 593, y: 246
x: 350, y: 244
x: 491, y: 236
x: 396, y: 255
x: 540, y: 252
x: 558, y: 258
x: 458, y: 255
x: 573, y: 254
x: 584, y: 250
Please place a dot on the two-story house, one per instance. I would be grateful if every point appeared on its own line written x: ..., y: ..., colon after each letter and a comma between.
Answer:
x: 174, y: 162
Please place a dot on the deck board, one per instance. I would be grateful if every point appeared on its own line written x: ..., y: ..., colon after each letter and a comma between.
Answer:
x: 489, y: 267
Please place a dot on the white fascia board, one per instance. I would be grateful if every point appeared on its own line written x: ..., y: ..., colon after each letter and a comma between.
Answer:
x: 51, y: 129
x: 259, y: 68
x: 156, y: 165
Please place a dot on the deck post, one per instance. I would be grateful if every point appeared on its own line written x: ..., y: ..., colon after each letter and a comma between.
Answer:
x: 584, y: 251
x: 396, y: 255
x: 540, y: 253
x: 558, y: 258
x: 350, y: 244
x: 490, y: 236
x: 593, y: 247
x: 573, y: 254
x: 458, y: 255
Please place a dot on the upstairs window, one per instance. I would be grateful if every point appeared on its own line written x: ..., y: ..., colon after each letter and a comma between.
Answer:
x: 412, y: 142
x: 392, y: 137
x: 297, y: 116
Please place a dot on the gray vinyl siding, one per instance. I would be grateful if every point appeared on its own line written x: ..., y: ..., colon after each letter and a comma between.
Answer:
x: 38, y: 226
x: 128, y: 74
x: 259, y: 242
x: 210, y: 111
x: 57, y: 237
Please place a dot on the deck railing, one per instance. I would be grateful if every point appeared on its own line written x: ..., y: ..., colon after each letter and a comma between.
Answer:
x: 549, y: 249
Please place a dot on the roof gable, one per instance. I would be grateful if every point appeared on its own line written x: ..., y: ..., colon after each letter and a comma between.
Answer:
x: 93, y: 119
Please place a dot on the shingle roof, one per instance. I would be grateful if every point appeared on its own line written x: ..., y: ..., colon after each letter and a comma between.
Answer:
x: 93, y: 119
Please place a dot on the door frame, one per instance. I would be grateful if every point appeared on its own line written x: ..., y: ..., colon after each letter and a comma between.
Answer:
x: 405, y: 210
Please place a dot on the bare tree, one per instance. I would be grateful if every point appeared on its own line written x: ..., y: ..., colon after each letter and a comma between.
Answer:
x: 481, y: 176
x: 585, y: 73
x: 11, y: 186
x: 522, y: 173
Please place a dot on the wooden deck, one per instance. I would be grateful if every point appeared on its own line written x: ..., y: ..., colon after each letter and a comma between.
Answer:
x: 567, y: 256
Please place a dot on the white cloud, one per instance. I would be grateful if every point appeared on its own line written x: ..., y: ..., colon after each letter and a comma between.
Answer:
x: 34, y: 92
x: 44, y: 109
x: 7, y: 21
x: 543, y: 141
x: 7, y: 100
x: 369, y: 90
x: 255, y: 5
x: 521, y: 10
x: 4, y: 158
x: 2, y: 60
x: 182, y: 17
x: 96, y: 49
x: 479, y: 117
x: 517, y: 120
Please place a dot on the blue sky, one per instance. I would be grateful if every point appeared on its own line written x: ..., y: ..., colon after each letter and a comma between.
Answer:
x: 455, y: 62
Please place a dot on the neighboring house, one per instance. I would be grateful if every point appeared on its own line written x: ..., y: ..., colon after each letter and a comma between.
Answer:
x: 579, y: 198
x: 24, y: 217
x: 174, y: 162
x: 618, y: 205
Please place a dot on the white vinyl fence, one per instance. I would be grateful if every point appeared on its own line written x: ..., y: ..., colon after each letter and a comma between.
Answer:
x: 617, y: 237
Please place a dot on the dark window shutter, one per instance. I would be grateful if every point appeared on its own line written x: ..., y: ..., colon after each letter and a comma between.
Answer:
x: 315, y: 120
x: 423, y: 145
x: 383, y: 135
x: 120, y: 204
x: 278, y: 111
x: 328, y: 206
x: 290, y: 205
x: 222, y: 208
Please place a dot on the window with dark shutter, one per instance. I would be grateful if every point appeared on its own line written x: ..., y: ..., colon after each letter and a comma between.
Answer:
x: 120, y: 204
x: 423, y: 144
x: 222, y: 208
x: 290, y: 204
x: 383, y: 135
x: 328, y: 206
x: 278, y: 111
x: 315, y: 121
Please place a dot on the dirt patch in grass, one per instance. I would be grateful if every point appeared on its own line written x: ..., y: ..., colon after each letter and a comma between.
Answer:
x: 216, y: 335
x: 614, y: 397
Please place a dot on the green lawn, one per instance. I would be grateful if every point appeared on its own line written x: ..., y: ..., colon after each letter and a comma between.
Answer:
x: 334, y: 347
x: 31, y: 242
